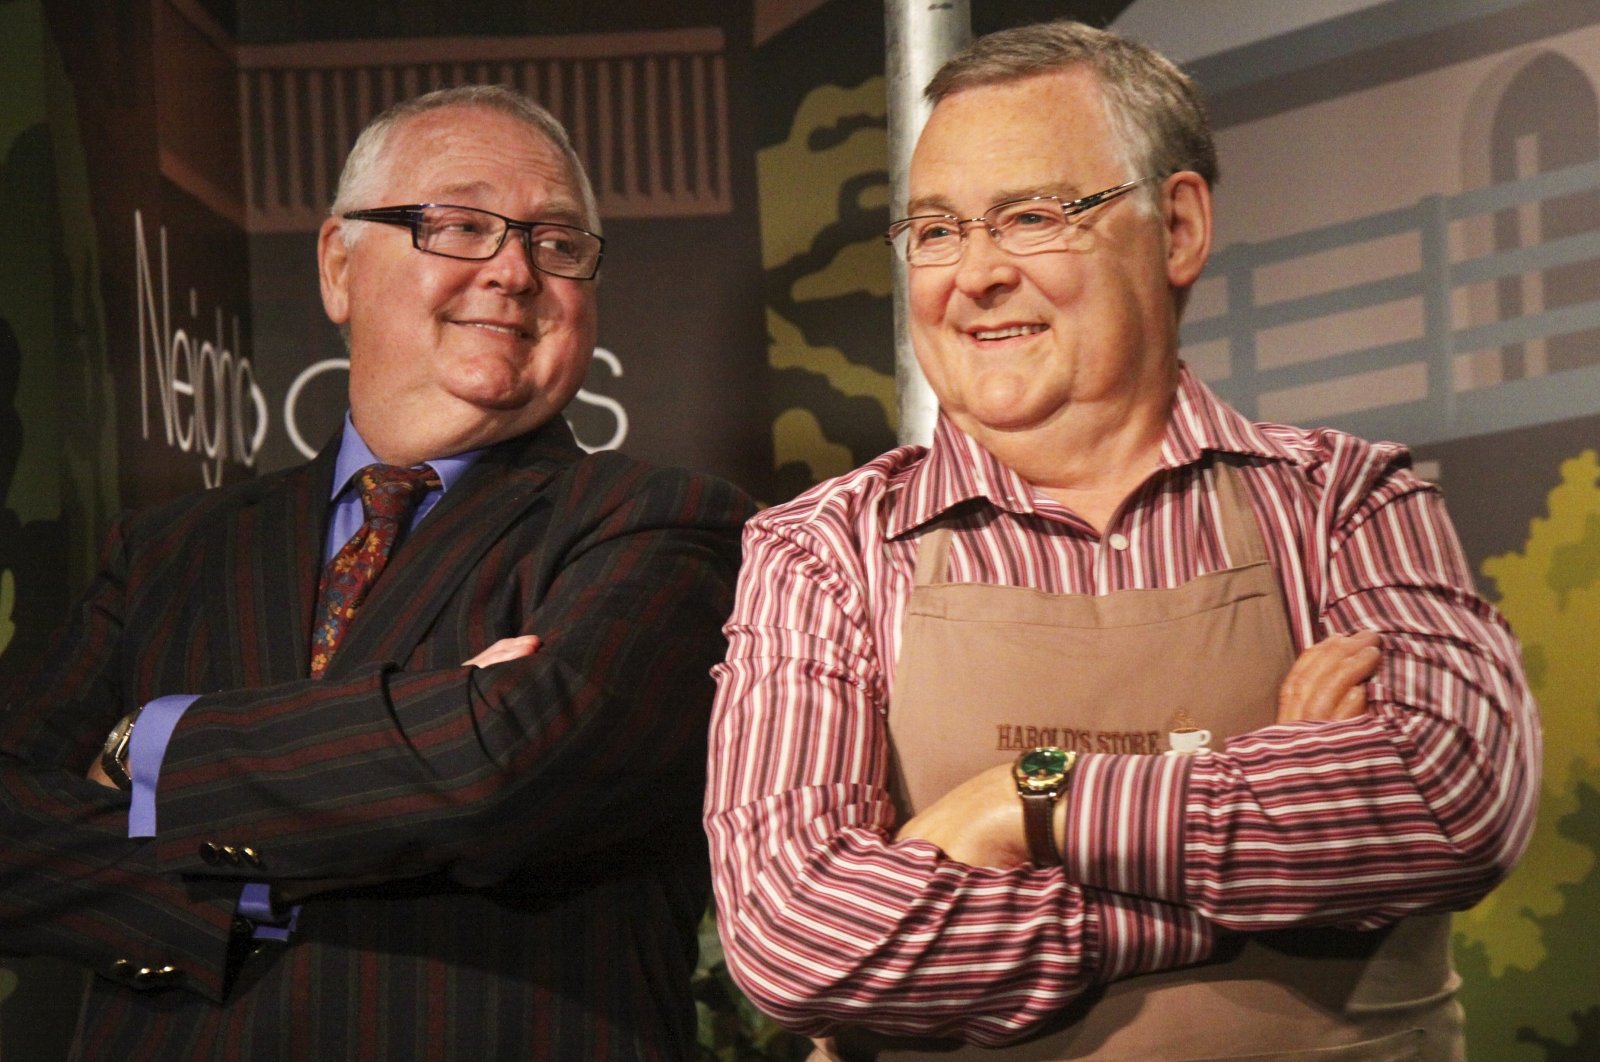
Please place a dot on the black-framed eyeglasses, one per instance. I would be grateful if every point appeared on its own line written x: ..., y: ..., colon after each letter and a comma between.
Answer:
x: 474, y: 235
x: 1030, y: 225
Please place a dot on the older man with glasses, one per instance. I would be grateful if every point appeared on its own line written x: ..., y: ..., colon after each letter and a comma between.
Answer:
x: 1112, y: 725
x: 400, y: 754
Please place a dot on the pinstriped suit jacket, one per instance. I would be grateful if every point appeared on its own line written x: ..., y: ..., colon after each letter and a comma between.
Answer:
x: 503, y: 863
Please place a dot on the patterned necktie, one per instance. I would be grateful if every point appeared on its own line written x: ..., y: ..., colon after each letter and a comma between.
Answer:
x: 389, y: 496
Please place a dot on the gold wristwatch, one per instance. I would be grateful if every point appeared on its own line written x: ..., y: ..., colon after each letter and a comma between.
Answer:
x: 1041, y: 776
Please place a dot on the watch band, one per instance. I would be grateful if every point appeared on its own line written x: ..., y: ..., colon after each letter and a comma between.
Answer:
x: 1038, y: 819
x: 1041, y: 776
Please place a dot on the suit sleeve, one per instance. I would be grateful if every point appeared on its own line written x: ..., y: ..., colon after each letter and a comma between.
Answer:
x: 589, y: 751
x: 72, y: 884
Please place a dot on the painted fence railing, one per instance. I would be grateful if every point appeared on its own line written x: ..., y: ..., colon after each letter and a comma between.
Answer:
x: 647, y: 112
x: 1448, y: 410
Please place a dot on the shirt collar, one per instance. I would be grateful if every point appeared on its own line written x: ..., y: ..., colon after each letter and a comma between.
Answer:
x: 956, y: 469
x: 355, y: 454
x: 1202, y: 422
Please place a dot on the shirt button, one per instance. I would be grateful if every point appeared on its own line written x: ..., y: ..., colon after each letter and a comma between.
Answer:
x: 1117, y: 541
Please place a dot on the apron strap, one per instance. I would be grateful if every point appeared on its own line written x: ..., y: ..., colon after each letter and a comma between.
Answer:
x: 933, y: 550
x: 1237, y: 524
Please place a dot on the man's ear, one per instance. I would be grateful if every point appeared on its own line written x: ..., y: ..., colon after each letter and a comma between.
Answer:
x: 333, y: 271
x: 1187, y: 206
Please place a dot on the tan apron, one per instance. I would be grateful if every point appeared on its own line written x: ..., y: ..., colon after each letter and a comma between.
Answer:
x: 986, y: 671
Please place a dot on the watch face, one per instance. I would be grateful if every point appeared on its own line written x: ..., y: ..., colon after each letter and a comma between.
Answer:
x: 114, y: 757
x: 118, y: 736
x: 1042, y: 770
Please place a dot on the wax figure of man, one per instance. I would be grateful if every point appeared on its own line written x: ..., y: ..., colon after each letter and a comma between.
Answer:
x: 1098, y: 556
x: 459, y: 862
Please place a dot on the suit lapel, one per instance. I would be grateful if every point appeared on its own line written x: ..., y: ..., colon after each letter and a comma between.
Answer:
x: 446, y: 548
x: 266, y: 585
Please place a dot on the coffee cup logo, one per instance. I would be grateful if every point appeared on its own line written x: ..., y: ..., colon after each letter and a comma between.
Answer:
x: 1188, y: 738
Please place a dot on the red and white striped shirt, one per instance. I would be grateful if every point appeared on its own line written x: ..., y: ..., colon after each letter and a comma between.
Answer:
x: 1423, y: 804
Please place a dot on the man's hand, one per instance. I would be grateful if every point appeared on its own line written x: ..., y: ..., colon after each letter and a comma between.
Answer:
x: 100, y: 776
x: 1326, y: 683
x: 978, y: 823
x: 505, y: 649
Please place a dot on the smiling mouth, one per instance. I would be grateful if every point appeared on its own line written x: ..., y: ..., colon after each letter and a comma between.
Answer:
x: 1007, y: 333
x: 498, y: 329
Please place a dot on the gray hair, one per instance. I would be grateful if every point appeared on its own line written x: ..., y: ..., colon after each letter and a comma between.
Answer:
x: 363, y: 169
x: 1153, y: 108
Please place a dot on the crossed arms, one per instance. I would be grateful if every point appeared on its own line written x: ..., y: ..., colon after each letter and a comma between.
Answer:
x: 399, y: 767
x: 829, y: 918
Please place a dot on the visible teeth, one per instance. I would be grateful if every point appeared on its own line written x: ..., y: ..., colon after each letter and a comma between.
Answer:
x: 503, y: 329
x: 1007, y: 333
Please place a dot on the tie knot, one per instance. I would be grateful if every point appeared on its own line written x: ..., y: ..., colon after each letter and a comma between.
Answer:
x: 391, y: 493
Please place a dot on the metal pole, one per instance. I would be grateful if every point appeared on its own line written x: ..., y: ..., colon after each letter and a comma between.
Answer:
x: 921, y: 34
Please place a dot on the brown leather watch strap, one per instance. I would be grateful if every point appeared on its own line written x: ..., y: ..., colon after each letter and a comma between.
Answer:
x: 1038, y: 820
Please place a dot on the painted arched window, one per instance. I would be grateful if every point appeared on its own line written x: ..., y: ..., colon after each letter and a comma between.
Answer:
x: 1548, y: 118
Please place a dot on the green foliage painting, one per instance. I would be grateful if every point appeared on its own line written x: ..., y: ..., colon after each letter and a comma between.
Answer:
x: 1527, y: 953
x: 8, y: 601
x: 829, y: 330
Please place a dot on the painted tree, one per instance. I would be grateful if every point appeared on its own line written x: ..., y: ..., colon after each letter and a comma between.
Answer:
x: 1527, y: 952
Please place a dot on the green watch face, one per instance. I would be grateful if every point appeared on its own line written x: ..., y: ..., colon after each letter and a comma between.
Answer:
x: 1043, y: 768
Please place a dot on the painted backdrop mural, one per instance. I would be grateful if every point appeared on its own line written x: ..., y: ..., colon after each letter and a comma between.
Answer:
x: 1409, y: 224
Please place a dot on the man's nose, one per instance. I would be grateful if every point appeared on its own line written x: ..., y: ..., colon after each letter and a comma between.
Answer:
x: 512, y: 265
x: 983, y: 264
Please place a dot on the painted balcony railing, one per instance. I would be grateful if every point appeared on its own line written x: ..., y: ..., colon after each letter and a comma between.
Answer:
x: 1451, y: 378
x: 647, y: 112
